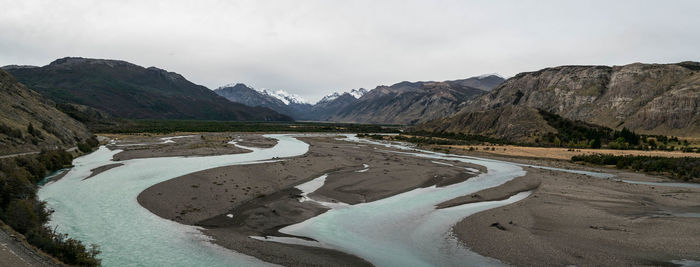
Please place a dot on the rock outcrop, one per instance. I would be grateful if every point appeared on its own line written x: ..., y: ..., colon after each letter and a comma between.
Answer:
x: 646, y: 98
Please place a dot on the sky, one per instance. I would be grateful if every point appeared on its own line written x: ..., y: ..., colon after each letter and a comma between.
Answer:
x: 313, y: 48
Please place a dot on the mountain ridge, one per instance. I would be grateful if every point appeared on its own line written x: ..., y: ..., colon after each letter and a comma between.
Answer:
x: 647, y: 98
x: 359, y: 105
x: 126, y: 90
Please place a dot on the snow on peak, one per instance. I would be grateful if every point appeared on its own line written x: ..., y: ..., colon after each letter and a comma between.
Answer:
x: 329, y: 97
x: 285, y: 96
x: 490, y: 74
x: 357, y: 93
x: 233, y: 85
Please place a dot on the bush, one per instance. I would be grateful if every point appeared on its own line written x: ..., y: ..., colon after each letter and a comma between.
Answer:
x: 20, y: 216
x: 22, y: 211
x: 685, y: 168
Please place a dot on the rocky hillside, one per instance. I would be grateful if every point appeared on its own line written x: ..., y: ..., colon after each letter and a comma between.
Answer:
x: 30, y: 122
x: 414, y: 102
x: 647, y: 98
x: 514, y: 123
x: 125, y: 90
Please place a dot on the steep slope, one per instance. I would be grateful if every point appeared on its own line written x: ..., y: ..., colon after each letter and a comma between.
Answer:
x: 647, y: 98
x: 126, y: 90
x: 411, y: 103
x: 515, y: 123
x: 30, y: 122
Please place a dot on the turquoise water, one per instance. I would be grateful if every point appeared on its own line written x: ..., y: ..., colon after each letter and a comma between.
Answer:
x: 406, y: 229
x: 403, y: 230
x: 103, y: 210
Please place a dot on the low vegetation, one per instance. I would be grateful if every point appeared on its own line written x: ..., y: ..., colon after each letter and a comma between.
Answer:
x: 428, y: 138
x: 25, y: 213
x: 685, y: 168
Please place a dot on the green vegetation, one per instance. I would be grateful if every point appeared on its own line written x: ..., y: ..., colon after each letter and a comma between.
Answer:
x: 570, y: 134
x: 685, y: 168
x: 170, y: 126
x: 11, y: 132
x: 578, y: 134
x: 88, y: 145
x: 21, y: 210
x: 443, y: 138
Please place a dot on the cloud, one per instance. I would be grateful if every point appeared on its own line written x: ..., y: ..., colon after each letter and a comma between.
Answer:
x: 315, y: 47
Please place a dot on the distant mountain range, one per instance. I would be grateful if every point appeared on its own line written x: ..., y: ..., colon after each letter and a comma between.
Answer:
x: 30, y: 122
x: 414, y: 102
x: 401, y: 103
x: 125, y: 90
x: 647, y: 98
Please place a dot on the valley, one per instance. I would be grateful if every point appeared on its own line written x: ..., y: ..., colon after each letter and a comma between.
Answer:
x: 255, y: 191
x: 257, y: 207
x: 349, y: 133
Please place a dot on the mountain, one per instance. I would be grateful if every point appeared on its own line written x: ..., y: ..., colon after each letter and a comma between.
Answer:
x: 125, y: 90
x: 280, y: 101
x: 30, y: 122
x: 402, y: 103
x: 330, y: 104
x: 355, y: 93
x: 646, y: 98
x: 286, y: 97
x: 414, y: 102
x: 241, y: 93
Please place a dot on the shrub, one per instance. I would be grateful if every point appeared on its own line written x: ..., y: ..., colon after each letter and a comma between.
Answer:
x: 685, y: 168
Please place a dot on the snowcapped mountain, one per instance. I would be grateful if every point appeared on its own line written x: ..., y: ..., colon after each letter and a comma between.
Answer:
x: 356, y: 93
x: 402, y: 103
x: 329, y: 98
x: 285, y: 96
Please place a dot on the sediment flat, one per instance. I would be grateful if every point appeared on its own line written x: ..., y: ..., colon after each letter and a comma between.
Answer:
x: 236, y: 202
x: 573, y: 219
x: 569, y: 219
x: 102, y: 169
x: 184, y: 144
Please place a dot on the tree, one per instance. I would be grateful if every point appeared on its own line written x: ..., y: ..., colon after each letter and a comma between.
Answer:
x: 20, y: 216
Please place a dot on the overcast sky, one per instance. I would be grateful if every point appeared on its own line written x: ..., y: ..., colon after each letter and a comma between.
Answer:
x: 313, y: 48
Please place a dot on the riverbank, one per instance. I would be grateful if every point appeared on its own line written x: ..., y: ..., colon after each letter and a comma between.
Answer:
x: 573, y: 219
x: 16, y: 252
x: 236, y: 202
x: 568, y: 218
